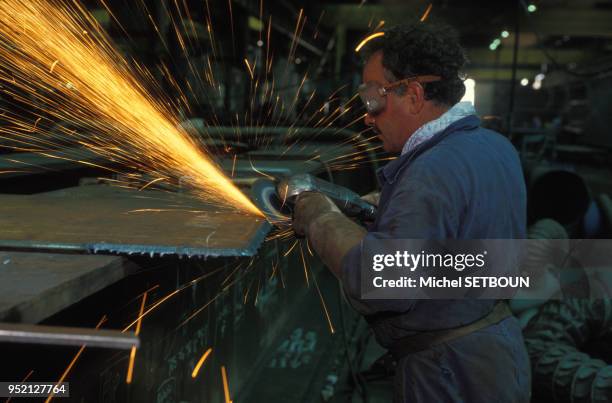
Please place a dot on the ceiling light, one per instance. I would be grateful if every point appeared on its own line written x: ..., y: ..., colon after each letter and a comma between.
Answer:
x: 496, y: 42
x: 532, y: 8
x: 525, y: 82
x: 470, y: 91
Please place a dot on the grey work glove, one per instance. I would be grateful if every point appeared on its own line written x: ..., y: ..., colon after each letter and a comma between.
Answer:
x: 331, y: 233
x: 310, y: 206
x: 373, y: 198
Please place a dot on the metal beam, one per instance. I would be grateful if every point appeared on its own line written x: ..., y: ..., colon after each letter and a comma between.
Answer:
x: 534, y: 56
x: 496, y: 65
x: 501, y: 74
x: 587, y: 22
x: 363, y: 17
x: 579, y: 21
x: 67, y: 336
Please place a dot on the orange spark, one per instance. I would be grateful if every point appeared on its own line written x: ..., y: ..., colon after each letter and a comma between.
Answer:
x: 231, y: 13
x: 305, y: 266
x: 200, y: 362
x: 308, y: 247
x: 53, y: 66
x: 260, y: 172
x: 291, y: 248
x: 130, y: 372
x: 97, y: 89
x: 226, y: 391
x: 368, y: 39
x: 427, y: 11
x: 74, y: 360
x: 327, y: 316
x: 167, y: 297
x: 152, y: 182
x: 158, y: 303
x: 128, y: 378
x: 296, y: 34
x: 193, y: 315
x: 22, y: 381
x: 249, y: 67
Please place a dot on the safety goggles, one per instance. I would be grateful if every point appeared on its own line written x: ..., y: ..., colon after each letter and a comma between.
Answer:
x: 373, y: 94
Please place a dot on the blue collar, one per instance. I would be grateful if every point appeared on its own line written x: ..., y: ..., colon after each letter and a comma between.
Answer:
x: 390, y: 172
x: 436, y: 126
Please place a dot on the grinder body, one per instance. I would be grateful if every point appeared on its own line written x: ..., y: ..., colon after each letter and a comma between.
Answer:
x: 349, y: 202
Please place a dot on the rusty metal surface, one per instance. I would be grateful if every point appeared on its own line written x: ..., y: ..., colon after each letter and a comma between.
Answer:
x: 109, y: 219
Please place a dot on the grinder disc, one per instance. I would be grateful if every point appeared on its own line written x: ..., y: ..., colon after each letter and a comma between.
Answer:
x: 265, y: 196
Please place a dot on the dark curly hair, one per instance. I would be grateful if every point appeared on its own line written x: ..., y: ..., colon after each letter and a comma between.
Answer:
x: 423, y: 49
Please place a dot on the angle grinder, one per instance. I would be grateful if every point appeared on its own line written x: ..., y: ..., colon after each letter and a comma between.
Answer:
x: 277, y: 198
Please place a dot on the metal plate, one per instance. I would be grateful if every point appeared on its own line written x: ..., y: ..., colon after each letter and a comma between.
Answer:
x: 35, y: 286
x: 108, y: 219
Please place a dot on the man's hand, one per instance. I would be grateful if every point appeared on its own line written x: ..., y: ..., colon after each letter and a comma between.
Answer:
x: 372, y: 198
x: 331, y: 233
x: 308, y: 207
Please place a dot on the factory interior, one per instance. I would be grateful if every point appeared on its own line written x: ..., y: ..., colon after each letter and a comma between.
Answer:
x: 141, y: 140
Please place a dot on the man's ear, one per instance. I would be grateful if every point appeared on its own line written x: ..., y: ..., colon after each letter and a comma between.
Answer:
x: 415, y: 95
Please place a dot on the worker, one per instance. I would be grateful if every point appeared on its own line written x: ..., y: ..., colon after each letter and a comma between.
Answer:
x: 451, y: 180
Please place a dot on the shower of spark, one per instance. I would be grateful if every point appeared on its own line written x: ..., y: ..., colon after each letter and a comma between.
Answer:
x: 270, y: 104
x: 167, y: 297
x: 60, y: 58
x: 56, y: 54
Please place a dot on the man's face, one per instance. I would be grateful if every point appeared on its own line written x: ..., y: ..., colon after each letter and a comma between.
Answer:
x: 392, y: 124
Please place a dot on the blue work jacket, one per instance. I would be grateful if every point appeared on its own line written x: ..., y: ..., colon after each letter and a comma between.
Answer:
x: 464, y: 183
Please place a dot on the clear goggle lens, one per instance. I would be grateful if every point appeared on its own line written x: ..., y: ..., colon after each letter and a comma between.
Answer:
x: 371, y: 95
